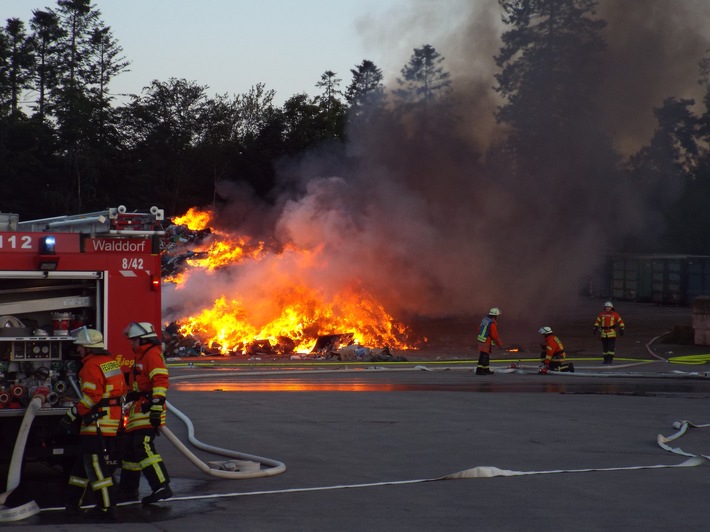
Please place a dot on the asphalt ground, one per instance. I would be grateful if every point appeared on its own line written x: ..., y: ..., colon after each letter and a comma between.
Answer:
x: 366, y: 445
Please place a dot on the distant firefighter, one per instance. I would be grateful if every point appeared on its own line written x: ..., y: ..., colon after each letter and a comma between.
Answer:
x: 553, y: 353
x: 487, y: 336
x: 609, y: 323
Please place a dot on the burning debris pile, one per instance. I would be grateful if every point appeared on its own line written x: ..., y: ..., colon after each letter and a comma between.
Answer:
x: 229, y: 295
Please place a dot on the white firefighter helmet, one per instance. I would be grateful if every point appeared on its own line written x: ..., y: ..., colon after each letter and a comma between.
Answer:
x: 545, y: 330
x: 608, y: 304
x: 495, y: 311
x: 141, y: 329
x: 88, y: 338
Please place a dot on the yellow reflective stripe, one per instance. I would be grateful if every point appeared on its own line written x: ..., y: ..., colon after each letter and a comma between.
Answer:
x: 154, y: 461
x: 158, y: 371
x: 130, y: 466
x: 103, y: 483
x: 88, y: 385
x: 142, y: 422
x: 87, y: 402
x: 160, y: 391
x: 151, y: 460
x: 78, y: 481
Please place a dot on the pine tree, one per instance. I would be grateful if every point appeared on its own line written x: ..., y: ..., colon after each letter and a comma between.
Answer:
x: 424, y: 84
x: 46, y: 36
x: 366, y: 88
x: 548, y: 75
x: 20, y: 61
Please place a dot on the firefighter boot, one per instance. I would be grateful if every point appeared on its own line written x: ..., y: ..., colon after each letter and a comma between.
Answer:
x: 161, y: 492
x: 102, y: 514
x: 608, y: 359
x: 74, y: 496
x: 483, y: 364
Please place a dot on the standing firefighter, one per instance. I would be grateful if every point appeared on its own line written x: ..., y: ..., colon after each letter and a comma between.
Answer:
x: 487, y: 336
x: 610, y: 324
x: 97, y: 417
x: 553, y: 353
x: 148, y: 383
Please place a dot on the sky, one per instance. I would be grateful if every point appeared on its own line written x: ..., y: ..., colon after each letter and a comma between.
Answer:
x: 231, y: 45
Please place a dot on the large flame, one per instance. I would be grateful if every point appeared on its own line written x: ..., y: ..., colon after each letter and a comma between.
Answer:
x: 292, y: 309
x: 194, y: 219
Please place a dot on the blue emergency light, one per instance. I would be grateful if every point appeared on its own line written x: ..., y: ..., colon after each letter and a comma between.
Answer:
x: 47, y: 245
x: 48, y: 259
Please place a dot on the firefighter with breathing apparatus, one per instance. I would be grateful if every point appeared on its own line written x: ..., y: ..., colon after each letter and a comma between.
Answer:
x: 487, y: 336
x: 148, y: 385
x: 553, y: 353
x: 96, y: 417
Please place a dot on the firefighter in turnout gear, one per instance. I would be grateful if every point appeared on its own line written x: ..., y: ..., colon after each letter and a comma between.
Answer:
x: 487, y: 336
x: 97, y: 418
x: 553, y: 353
x: 148, y: 384
x: 609, y: 324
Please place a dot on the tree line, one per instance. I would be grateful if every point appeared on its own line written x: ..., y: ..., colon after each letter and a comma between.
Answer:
x: 67, y: 147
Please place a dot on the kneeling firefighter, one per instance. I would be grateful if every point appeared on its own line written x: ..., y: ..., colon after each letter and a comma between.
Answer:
x: 148, y: 385
x: 96, y: 417
x: 553, y: 353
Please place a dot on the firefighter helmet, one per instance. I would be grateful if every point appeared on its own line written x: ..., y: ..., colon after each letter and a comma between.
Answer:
x: 495, y: 311
x: 88, y: 338
x: 609, y: 304
x: 141, y: 329
x: 545, y: 330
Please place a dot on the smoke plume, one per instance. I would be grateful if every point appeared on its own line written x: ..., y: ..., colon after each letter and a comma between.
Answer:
x: 432, y: 226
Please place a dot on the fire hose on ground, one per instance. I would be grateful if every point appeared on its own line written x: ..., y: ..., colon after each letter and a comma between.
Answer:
x: 243, y: 466
x: 230, y: 468
x: 14, y: 473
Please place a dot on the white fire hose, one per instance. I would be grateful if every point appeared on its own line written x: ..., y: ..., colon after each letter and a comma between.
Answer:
x: 13, y: 477
x: 244, y: 465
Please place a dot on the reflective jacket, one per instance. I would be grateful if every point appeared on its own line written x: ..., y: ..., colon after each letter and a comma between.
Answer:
x: 488, y: 334
x: 608, y: 322
x: 149, y: 376
x: 554, y: 350
x: 102, y: 386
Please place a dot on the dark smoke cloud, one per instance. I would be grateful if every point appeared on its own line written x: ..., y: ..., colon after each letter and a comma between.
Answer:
x: 654, y: 50
x: 431, y: 231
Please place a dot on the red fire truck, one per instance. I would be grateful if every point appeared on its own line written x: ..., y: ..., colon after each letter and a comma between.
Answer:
x: 100, y: 270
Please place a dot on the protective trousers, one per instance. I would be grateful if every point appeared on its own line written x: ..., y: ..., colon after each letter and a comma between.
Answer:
x: 140, y: 456
x: 608, y: 348
x: 93, y: 468
x: 556, y: 365
x: 484, y: 360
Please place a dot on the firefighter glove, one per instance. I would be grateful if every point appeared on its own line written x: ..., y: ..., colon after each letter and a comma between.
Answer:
x: 155, y: 409
x: 133, y: 395
x: 595, y: 331
x: 70, y: 421
x: 621, y: 332
x: 156, y: 401
x: 154, y: 416
x: 543, y: 370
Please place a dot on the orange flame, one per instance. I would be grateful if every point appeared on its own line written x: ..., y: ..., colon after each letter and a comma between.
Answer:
x: 194, y: 219
x: 289, y: 308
